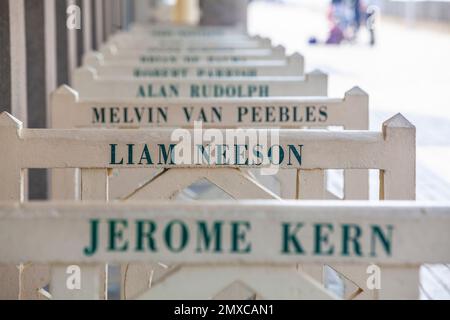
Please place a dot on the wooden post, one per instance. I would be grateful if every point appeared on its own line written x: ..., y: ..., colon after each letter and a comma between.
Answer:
x: 64, y: 182
x: 356, y: 187
x: 13, y: 190
x: 94, y: 186
x: 356, y: 182
x: 41, y: 80
x: 396, y: 183
x: 399, y: 182
x: 13, y: 100
x: 62, y: 44
x: 50, y: 52
x: 311, y: 185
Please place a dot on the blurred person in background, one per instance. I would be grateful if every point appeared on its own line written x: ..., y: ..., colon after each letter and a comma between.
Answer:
x: 372, y: 11
x: 337, y: 19
x: 346, y: 16
x: 356, y: 15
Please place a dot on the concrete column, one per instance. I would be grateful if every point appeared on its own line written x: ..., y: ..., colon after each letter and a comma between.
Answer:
x: 131, y: 11
x: 36, y: 85
x: 128, y: 13
x: 13, y: 84
x: 125, y: 13
x: 108, y: 18
x: 99, y: 23
x: 92, y: 14
x: 72, y: 44
x: 117, y: 12
x: 224, y: 13
x: 62, y: 43
x: 80, y: 33
x: 142, y: 10
x: 87, y: 28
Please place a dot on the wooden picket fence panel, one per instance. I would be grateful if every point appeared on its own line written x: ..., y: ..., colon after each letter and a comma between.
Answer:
x: 391, y: 151
x: 293, y: 66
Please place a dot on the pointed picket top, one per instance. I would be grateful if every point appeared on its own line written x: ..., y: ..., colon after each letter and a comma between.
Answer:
x: 356, y: 91
x: 316, y: 73
x: 82, y: 77
x: 108, y: 50
x: 265, y: 40
x: 105, y: 49
x: 93, y: 59
x: 115, y: 43
x: 8, y: 120
x: 85, y: 73
x: 296, y: 56
x: 113, y: 48
x: 66, y: 91
x: 281, y: 49
x: 397, y: 121
x: 295, y: 61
